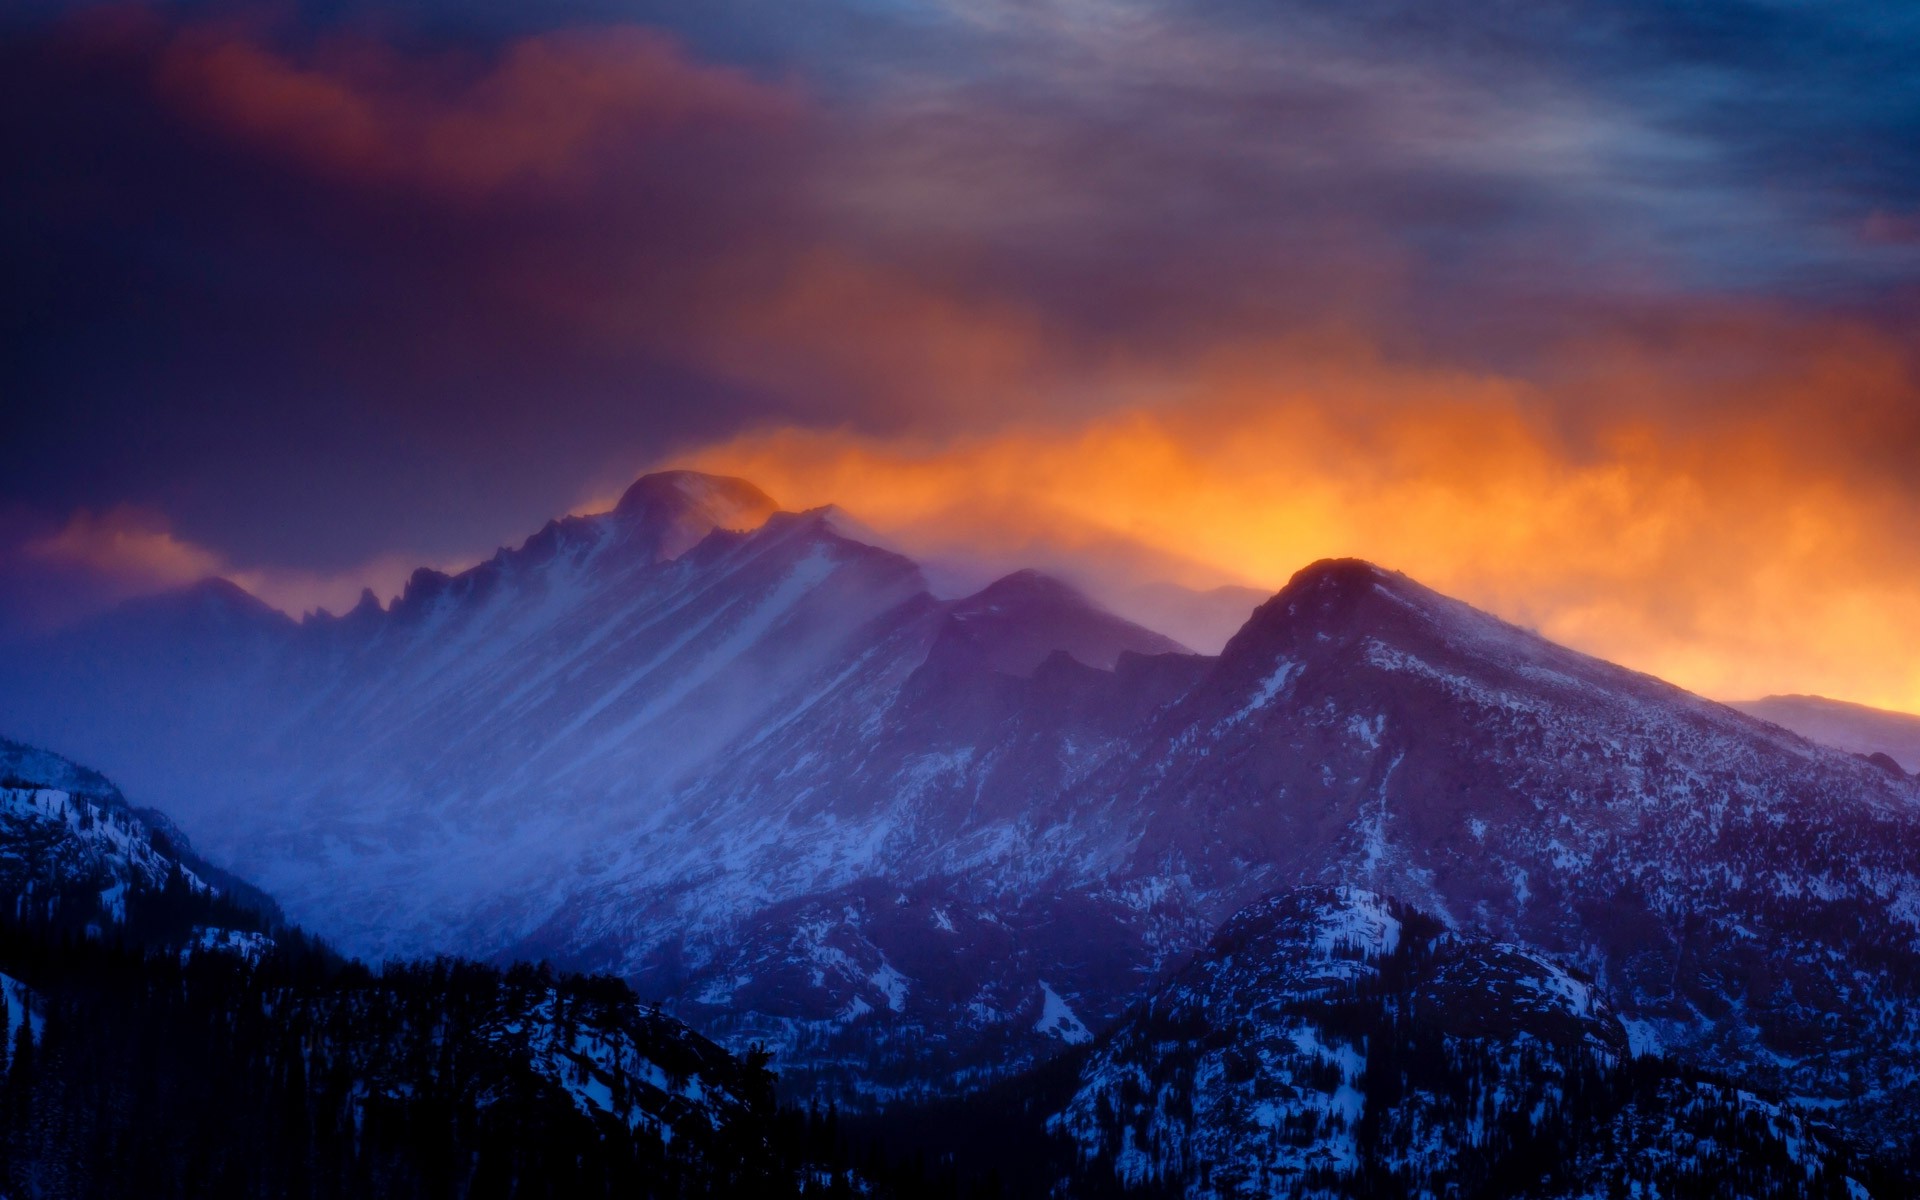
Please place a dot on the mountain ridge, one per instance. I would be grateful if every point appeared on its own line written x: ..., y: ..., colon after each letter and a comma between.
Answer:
x: 774, y: 783
x: 1856, y: 728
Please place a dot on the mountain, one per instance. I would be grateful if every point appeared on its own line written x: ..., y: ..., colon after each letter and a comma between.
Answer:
x: 1335, y: 1043
x: 1002, y: 855
x: 508, y: 739
x: 916, y: 845
x: 484, y: 731
x: 76, y: 857
x: 220, y: 1075
x: 1851, y: 727
x: 1019, y: 621
x: 164, y: 1038
x: 964, y: 547
x: 1733, y: 886
x: 676, y: 510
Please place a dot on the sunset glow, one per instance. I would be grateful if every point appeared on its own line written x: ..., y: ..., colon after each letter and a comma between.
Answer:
x: 1530, y: 338
x: 1031, y: 599
x: 1736, y: 555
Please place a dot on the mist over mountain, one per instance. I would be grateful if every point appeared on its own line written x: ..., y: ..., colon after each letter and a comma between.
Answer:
x: 1851, y: 727
x: 750, y: 764
x: 960, y: 553
x: 168, y: 1033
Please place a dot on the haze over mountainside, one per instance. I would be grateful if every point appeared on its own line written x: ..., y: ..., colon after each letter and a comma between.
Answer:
x: 1204, y: 619
x: 490, y: 730
x: 1852, y: 727
x: 76, y: 857
x: 915, y: 845
x: 1107, y: 567
x: 165, y: 1036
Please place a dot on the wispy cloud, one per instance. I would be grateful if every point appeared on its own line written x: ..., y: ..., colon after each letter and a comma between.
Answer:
x: 122, y: 552
x: 1745, y: 551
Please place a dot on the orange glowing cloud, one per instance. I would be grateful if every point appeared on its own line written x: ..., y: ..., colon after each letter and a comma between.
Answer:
x: 1725, y: 498
x: 125, y: 542
x: 1721, y: 539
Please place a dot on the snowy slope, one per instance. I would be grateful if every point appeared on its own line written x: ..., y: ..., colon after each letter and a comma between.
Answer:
x: 1747, y: 897
x: 1334, y: 1043
x: 75, y: 858
x: 617, y: 1063
x: 71, y: 851
x: 58, y: 851
x: 446, y: 1039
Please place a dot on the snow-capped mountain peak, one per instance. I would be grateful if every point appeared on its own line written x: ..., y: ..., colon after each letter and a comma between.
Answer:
x: 679, y: 508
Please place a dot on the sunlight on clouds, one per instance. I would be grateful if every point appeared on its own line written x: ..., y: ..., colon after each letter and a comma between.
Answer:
x: 131, y: 551
x: 1706, y: 559
x: 127, y: 542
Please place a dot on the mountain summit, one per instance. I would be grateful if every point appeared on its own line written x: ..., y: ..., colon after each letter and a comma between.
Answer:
x: 682, y: 507
x: 1022, y: 618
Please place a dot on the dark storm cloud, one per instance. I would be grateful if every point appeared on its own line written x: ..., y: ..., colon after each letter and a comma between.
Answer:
x: 353, y: 279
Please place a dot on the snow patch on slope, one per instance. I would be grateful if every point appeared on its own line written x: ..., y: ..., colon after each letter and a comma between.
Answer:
x: 1057, y: 1018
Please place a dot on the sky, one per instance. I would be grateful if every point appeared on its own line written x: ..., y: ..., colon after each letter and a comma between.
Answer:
x: 1600, y: 315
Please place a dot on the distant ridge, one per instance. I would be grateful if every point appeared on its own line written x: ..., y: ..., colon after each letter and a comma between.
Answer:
x: 1855, y: 728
